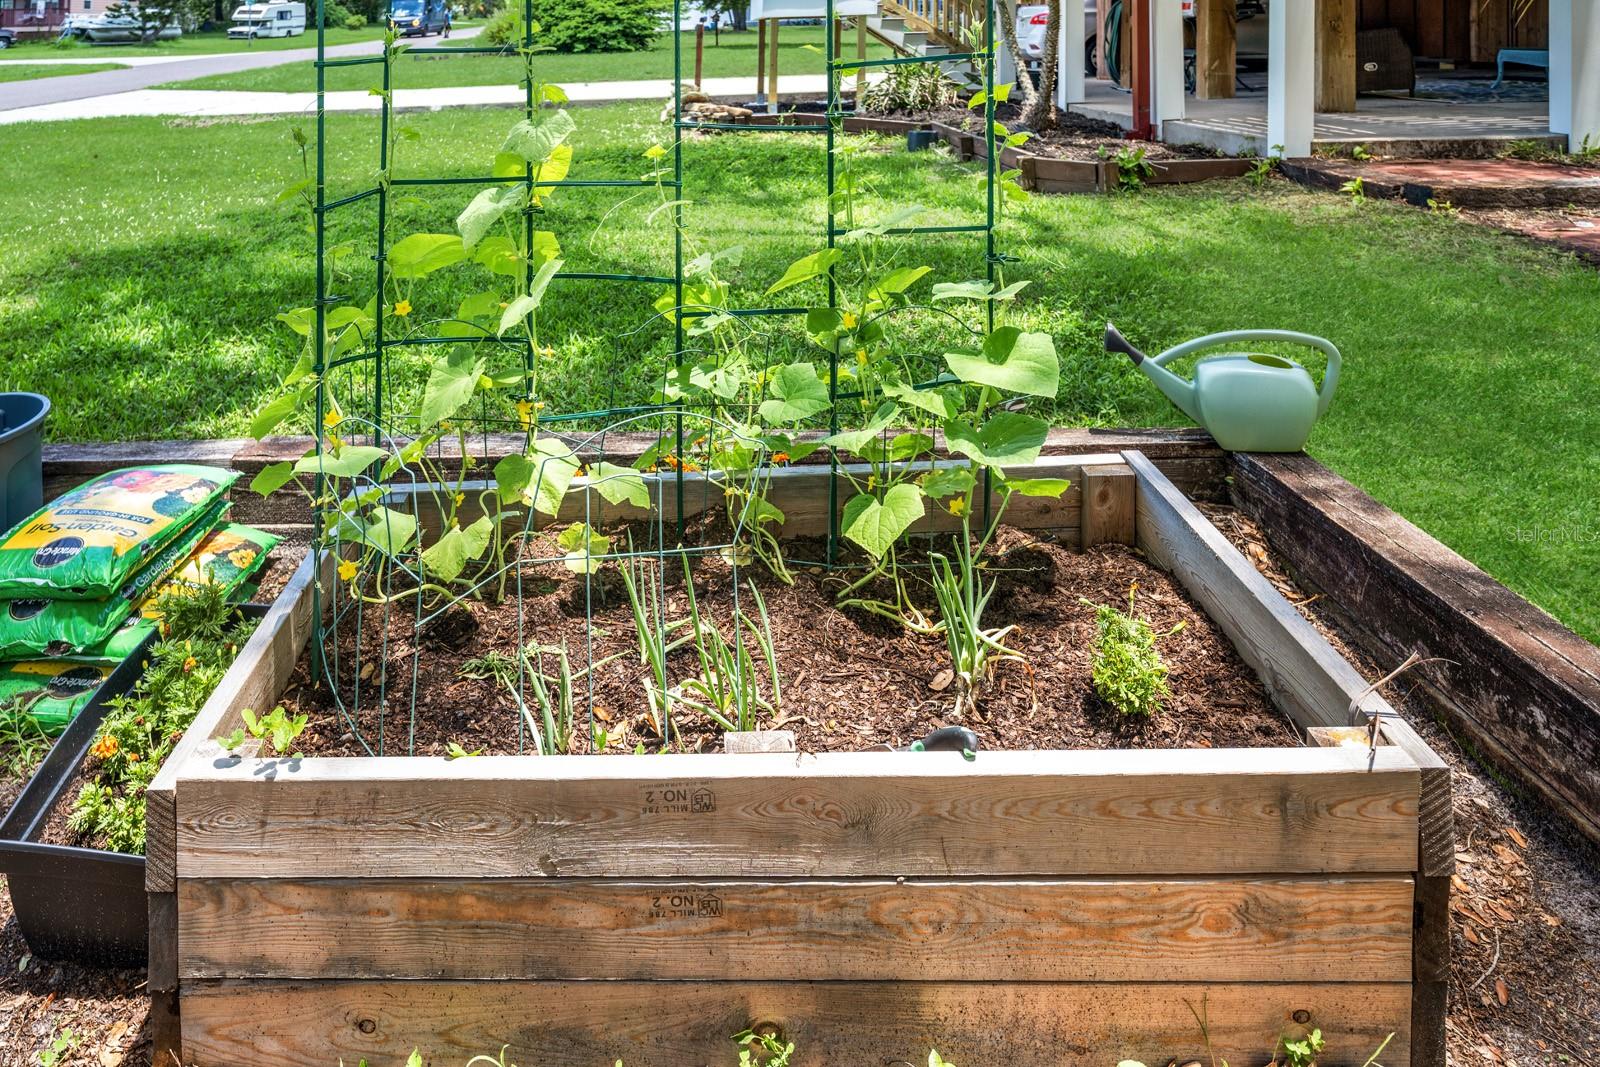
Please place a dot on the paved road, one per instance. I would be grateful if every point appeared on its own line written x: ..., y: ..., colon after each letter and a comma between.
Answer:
x: 210, y: 102
x: 108, y: 82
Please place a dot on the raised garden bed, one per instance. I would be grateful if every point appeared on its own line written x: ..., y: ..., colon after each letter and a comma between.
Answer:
x: 341, y: 907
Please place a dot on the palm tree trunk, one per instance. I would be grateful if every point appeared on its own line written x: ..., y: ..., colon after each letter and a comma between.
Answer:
x: 1039, y: 112
x: 1006, y: 13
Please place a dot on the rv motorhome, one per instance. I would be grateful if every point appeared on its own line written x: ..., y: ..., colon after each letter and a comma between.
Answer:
x: 272, y: 18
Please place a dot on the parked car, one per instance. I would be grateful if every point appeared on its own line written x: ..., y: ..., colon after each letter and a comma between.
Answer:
x: 418, y: 18
x: 7, y: 38
x: 1033, y: 18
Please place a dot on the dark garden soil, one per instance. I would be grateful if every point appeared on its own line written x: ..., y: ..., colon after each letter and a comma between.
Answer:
x: 1525, y: 907
x: 1072, y: 136
x: 850, y: 679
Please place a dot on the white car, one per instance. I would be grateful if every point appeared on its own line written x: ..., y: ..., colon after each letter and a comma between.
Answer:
x: 1033, y: 18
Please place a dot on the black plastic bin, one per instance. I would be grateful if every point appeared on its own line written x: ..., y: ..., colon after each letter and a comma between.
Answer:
x: 78, y: 904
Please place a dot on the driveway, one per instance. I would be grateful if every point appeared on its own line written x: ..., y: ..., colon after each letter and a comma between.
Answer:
x: 110, y: 82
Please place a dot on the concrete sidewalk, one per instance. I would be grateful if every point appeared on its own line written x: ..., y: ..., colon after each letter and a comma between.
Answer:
x: 196, y: 103
x: 80, y: 88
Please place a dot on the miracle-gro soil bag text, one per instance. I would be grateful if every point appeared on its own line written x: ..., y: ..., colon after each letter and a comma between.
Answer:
x: 86, y: 543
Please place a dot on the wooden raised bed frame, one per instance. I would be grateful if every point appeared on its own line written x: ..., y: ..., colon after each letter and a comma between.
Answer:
x: 1026, y: 907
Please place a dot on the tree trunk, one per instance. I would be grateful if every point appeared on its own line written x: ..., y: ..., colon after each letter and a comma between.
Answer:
x: 1040, y: 112
x: 1006, y: 12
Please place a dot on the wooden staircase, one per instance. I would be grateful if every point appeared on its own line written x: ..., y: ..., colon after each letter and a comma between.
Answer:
x: 928, y: 28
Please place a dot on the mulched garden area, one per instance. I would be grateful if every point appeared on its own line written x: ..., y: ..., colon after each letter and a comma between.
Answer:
x: 1525, y: 928
x: 1072, y: 136
x: 850, y: 679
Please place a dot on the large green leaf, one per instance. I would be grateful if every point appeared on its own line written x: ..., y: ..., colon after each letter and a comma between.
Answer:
x: 806, y: 268
x: 346, y: 461
x: 1008, y: 438
x: 447, y: 557
x: 511, y: 477
x: 553, y: 169
x: 389, y: 531
x: 535, y: 141
x: 1047, y: 487
x: 528, y: 302
x: 875, y: 524
x: 499, y: 253
x: 1011, y: 360
x: 554, y: 468
x: 932, y: 401
x: 421, y: 254
x: 582, y: 547
x: 276, y: 410
x: 856, y: 440
x: 272, y: 477
x: 617, y: 484
x: 897, y: 281
x: 798, y: 393
x: 976, y: 290
x: 485, y: 210
x: 451, y: 383
x: 942, y: 482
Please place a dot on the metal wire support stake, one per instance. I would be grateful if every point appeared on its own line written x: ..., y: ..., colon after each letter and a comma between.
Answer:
x: 1360, y: 716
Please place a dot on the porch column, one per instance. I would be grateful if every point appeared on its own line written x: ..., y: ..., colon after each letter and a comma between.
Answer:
x: 1069, y: 57
x: 1336, y: 55
x: 1216, y: 48
x: 1291, y: 77
x: 1166, y: 62
x: 1575, y: 71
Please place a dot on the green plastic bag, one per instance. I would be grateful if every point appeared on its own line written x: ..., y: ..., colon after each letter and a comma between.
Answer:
x: 52, y: 691
x: 31, y: 627
x: 229, y: 556
x: 85, y: 544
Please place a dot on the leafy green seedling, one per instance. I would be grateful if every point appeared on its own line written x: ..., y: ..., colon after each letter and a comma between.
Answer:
x: 1127, y: 671
x: 277, y: 730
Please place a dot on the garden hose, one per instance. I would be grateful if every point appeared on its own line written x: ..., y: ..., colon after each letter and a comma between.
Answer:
x: 1111, y: 33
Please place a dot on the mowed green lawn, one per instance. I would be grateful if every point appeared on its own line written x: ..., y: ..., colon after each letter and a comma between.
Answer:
x: 19, y: 72
x: 799, y: 52
x: 145, y: 306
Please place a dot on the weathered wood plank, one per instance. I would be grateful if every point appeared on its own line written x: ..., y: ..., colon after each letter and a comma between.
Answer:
x: 1336, y: 55
x: 166, y: 1039
x: 1306, y: 677
x: 1298, y: 929
x: 1520, y: 687
x: 1108, y: 501
x: 1216, y: 49
x: 255, y: 681
x: 656, y: 1024
x: 1222, y: 811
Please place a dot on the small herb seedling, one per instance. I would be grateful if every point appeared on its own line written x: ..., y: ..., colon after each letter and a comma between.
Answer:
x: 1127, y: 671
x: 277, y: 730
x: 453, y: 750
x: 1355, y: 189
x: 59, y: 1049
x: 762, y: 1050
x: 1301, y: 1052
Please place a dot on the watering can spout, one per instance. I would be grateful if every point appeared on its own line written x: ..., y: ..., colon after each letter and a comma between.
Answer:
x: 1177, y: 390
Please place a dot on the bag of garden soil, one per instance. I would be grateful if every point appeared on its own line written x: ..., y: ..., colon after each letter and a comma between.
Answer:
x: 86, y: 544
x: 229, y: 556
x: 52, y: 691
x: 35, y: 627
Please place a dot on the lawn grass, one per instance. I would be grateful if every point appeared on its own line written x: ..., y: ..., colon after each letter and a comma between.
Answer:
x: 1467, y: 401
x: 21, y: 72
x: 799, y: 49
x: 210, y: 42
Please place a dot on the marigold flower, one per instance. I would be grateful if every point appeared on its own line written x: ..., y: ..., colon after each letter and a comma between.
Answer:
x: 190, y: 663
x: 104, y: 748
x: 133, y: 757
x: 347, y: 570
x: 403, y: 308
x: 780, y: 457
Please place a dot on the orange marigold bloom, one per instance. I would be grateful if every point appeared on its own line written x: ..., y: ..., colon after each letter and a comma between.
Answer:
x: 104, y: 748
x: 189, y: 664
x: 133, y: 757
x: 780, y: 457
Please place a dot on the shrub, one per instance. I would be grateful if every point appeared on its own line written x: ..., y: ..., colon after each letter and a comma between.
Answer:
x: 335, y: 14
x: 354, y: 22
x: 581, y: 25
x: 912, y: 87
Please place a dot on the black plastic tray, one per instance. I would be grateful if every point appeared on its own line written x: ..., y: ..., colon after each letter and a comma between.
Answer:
x: 78, y: 904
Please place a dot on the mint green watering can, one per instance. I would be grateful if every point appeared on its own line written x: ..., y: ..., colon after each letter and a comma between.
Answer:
x: 1249, y: 402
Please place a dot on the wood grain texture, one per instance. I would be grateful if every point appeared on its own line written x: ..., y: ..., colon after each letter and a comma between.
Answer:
x: 656, y: 1024
x: 1216, y: 49
x: 1299, y: 929
x: 1305, y: 676
x: 1336, y: 55
x: 1224, y: 811
x: 255, y: 681
x: 1108, y: 495
x: 1513, y: 682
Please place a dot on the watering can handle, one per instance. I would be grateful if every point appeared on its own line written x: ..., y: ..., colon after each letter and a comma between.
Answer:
x: 1330, y: 377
